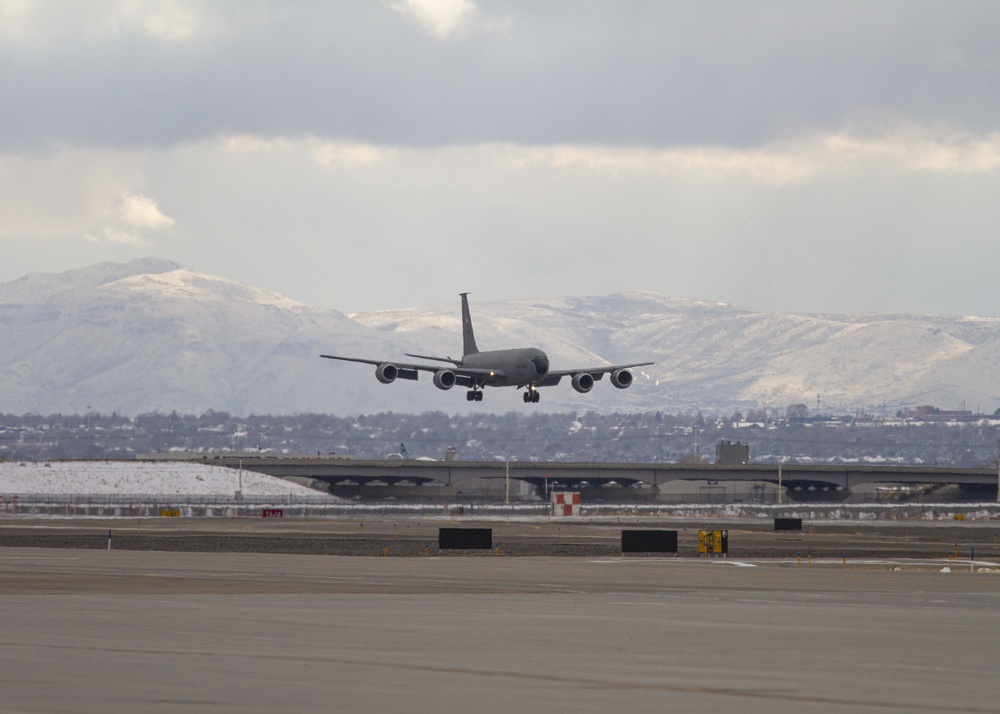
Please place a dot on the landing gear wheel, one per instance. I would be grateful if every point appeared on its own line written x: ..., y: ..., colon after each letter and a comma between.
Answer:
x: 532, y: 396
x: 473, y: 395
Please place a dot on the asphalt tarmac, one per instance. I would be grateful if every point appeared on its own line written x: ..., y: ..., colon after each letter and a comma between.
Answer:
x: 151, y: 631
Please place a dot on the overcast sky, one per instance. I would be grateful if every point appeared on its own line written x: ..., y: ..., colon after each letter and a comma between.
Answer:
x: 790, y: 156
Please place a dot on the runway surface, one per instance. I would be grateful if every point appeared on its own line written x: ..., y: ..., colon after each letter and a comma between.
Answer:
x: 100, y: 631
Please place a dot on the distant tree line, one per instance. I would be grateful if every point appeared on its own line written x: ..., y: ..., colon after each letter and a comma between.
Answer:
x: 643, y: 437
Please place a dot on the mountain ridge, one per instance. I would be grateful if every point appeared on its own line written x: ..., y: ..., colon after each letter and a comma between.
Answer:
x: 154, y: 335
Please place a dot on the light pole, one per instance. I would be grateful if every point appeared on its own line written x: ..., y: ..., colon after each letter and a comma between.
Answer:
x: 780, y: 461
x: 506, y: 467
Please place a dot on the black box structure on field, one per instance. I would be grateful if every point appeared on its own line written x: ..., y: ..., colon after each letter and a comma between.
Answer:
x: 649, y: 541
x: 787, y: 524
x: 465, y: 538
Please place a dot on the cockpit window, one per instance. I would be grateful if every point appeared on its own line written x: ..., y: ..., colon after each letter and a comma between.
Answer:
x: 541, y: 365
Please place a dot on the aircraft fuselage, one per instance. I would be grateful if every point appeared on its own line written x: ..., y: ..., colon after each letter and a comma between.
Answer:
x: 517, y: 367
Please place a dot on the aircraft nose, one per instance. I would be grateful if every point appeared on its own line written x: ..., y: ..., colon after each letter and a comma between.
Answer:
x: 541, y: 365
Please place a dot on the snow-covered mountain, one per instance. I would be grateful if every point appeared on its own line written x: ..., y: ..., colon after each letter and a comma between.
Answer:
x: 152, y: 335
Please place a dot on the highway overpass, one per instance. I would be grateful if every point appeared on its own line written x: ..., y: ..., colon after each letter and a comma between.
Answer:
x: 803, y: 482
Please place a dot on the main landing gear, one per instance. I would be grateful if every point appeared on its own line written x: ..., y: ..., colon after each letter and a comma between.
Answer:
x: 532, y: 396
x: 474, y: 395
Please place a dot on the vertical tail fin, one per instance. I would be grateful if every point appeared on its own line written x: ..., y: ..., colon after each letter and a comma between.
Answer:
x: 468, y: 336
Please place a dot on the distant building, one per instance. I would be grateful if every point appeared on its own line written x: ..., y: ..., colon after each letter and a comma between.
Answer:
x: 732, y: 452
x: 926, y: 411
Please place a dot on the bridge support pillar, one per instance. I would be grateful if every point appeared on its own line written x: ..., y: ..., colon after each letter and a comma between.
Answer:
x: 815, y: 492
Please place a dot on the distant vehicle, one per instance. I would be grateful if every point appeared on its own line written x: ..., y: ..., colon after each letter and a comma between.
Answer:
x: 525, y: 368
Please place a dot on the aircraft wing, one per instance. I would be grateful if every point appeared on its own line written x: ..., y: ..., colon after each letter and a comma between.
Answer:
x: 553, y: 377
x: 409, y: 370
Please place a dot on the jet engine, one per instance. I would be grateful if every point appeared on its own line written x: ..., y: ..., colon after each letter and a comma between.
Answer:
x: 444, y: 379
x: 622, y: 378
x: 386, y: 373
x: 583, y: 382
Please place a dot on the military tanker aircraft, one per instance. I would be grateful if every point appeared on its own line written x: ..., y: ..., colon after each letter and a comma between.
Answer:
x: 524, y: 367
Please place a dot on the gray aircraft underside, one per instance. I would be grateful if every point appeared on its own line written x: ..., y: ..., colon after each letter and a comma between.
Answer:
x: 526, y: 367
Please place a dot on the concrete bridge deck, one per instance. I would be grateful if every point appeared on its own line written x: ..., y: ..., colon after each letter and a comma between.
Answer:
x: 796, y: 478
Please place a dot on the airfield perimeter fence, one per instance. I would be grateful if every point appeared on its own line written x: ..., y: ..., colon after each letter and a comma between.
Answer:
x: 227, y: 506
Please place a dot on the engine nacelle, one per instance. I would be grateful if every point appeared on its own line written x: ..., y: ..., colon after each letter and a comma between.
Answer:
x: 583, y: 382
x: 444, y: 379
x: 386, y: 373
x: 622, y: 378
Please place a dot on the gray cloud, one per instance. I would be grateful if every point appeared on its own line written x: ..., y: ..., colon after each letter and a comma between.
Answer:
x: 533, y: 73
x: 808, y: 157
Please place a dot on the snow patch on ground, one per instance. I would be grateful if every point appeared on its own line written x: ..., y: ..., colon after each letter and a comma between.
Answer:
x: 139, y: 477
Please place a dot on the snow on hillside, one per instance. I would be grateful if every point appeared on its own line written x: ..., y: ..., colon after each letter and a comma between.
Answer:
x: 182, y: 284
x: 37, y: 288
x: 152, y: 335
x: 139, y: 477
